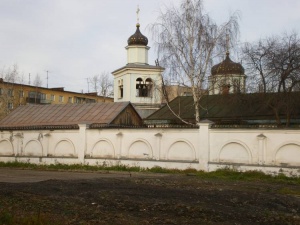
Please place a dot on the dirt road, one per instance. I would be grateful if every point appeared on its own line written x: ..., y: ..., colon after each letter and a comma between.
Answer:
x: 20, y: 176
x: 118, y: 198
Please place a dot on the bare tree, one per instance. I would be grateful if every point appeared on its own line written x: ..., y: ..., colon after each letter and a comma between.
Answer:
x: 105, y: 85
x: 94, y: 80
x: 37, y: 81
x: 274, y: 63
x: 102, y: 84
x: 11, y: 74
x: 188, y: 40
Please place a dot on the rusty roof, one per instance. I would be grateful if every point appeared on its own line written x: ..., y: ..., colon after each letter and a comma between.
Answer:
x: 64, y: 115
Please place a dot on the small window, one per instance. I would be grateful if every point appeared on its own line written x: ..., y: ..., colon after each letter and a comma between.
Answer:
x: 1, y: 91
x: 10, y: 105
x: 43, y: 96
x: 61, y: 98
x: 21, y: 93
x: 236, y: 86
x: 31, y: 94
x: 10, y: 92
x: 70, y: 100
x: 77, y: 100
x: 52, y: 97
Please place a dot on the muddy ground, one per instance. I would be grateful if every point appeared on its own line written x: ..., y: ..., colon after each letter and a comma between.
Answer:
x: 123, y: 198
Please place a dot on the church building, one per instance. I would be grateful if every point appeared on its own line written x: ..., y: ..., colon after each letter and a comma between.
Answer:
x: 137, y: 81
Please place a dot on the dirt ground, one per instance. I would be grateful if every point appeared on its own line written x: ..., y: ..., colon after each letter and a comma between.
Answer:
x: 139, y: 198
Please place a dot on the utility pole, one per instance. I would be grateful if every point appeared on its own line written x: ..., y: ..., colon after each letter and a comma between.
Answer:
x: 29, y: 78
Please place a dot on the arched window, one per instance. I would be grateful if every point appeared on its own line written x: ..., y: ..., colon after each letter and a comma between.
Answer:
x: 224, y: 87
x: 236, y: 86
x: 144, y: 89
x: 149, y: 87
x: 139, y: 87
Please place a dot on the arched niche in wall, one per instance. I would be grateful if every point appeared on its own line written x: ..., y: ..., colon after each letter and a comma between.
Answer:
x: 6, y: 147
x: 181, y: 150
x: 120, y: 88
x: 103, y: 149
x: 140, y: 149
x: 288, y: 154
x: 235, y: 152
x: 33, y: 148
x: 64, y: 148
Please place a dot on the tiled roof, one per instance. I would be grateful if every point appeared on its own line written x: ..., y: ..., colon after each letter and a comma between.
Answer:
x: 64, y: 115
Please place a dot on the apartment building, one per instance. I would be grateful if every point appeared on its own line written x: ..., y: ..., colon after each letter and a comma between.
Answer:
x: 13, y: 95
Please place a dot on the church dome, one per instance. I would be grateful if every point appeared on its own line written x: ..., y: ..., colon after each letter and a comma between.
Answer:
x: 137, y: 38
x: 227, y: 67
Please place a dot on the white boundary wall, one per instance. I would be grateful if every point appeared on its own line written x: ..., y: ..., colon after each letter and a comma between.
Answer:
x: 270, y: 151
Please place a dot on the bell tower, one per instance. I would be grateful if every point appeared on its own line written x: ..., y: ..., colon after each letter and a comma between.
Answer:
x: 137, y: 81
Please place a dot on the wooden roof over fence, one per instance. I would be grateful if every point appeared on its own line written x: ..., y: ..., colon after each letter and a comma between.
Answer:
x: 67, y: 116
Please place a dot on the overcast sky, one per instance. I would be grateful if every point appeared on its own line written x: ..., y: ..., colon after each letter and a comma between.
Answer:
x: 76, y: 39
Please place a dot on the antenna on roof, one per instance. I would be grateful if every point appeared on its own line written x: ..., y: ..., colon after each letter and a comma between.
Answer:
x: 29, y: 79
x: 47, y: 77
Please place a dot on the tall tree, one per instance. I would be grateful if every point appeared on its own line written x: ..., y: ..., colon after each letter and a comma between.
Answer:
x: 274, y: 62
x: 188, y: 40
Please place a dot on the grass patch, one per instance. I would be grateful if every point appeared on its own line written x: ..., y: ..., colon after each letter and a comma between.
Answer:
x: 10, y: 219
x: 230, y: 174
x: 225, y: 174
x: 288, y: 191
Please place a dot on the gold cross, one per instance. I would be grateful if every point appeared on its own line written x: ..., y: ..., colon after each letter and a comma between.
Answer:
x: 137, y: 14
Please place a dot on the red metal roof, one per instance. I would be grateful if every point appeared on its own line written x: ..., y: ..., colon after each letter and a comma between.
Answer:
x: 63, y: 115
